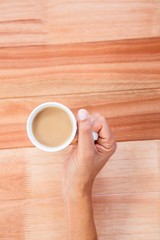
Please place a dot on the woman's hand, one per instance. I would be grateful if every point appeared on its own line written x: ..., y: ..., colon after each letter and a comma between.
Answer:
x: 87, y: 157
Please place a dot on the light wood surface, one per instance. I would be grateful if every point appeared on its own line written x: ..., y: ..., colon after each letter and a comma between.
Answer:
x: 62, y: 21
x: 102, y: 55
x: 125, y: 195
x: 80, y: 68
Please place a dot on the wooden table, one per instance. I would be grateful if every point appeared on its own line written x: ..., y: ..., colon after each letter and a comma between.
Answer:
x: 100, y: 55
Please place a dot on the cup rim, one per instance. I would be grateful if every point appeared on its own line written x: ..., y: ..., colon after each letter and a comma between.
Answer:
x: 31, y: 117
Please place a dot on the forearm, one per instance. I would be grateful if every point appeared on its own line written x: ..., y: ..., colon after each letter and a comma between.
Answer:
x: 79, y: 218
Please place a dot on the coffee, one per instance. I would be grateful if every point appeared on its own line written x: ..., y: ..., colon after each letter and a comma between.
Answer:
x: 52, y: 127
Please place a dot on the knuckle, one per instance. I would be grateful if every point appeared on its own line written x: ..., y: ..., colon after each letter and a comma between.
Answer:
x: 110, y: 147
x: 110, y: 139
x: 96, y: 114
x: 102, y: 119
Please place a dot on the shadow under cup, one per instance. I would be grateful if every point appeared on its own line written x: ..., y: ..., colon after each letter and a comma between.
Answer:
x: 51, y: 126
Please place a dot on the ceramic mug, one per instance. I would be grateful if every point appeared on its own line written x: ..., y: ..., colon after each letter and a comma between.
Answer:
x: 45, y: 148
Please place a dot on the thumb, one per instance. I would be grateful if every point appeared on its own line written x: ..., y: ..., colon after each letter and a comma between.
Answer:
x: 85, y: 136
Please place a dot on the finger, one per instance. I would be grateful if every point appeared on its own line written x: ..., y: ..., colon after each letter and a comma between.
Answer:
x: 100, y: 125
x: 106, y: 138
x: 85, y: 137
x: 94, y: 118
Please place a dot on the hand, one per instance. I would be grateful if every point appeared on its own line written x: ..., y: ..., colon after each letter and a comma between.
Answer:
x: 86, y: 158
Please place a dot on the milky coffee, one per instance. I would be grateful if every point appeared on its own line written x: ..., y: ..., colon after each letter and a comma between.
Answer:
x: 52, y: 127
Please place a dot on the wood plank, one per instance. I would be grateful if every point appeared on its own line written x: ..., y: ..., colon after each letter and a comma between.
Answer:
x: 134, y: 168
x: 79, y: 68
x: 134, y: 50
x: 88, y: 78
x: 64, y: 21
x: 116, y: 216
x: 12, y: 220
x: 13, y: 176
x: 137, y: 127
x: 128, y: 216
x: 45, y: 219
x: 31, y: 173
x: 19, y: 10
x: 99, y: 20
x: 125, y: 195
x: 21, y: 23
x: 133, y: 115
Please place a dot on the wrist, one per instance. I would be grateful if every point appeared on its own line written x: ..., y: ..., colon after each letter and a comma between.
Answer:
x: 76, y: 192
x: 77, y: 198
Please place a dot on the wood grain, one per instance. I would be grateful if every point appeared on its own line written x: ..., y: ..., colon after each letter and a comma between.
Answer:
x: 12, y: 220
x: 31, y: 173
x: 19, y: 10
x: 98, y: 20
x: 141, y: 217
x: 117, y: 217
x: 21, y: 23
x: 125, y: 195
x: 133, y: 115
x: 100, y: 55
x: 80, y: 68
x: 13, y: 176
x: 64, y: 21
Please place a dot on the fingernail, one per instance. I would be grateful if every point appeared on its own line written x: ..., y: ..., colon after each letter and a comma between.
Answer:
x: 82, y: 114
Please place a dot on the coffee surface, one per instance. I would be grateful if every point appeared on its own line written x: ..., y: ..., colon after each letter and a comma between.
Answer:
x: 52, y: 127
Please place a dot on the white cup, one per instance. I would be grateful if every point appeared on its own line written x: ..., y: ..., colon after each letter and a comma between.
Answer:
x: 69, y: 140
